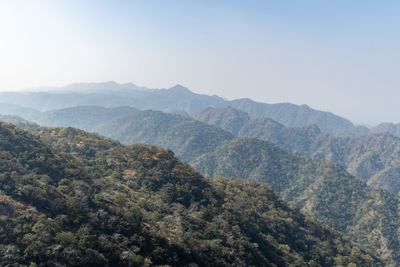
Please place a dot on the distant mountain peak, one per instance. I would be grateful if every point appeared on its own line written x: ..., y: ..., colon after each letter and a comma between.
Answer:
x: 180, y: 89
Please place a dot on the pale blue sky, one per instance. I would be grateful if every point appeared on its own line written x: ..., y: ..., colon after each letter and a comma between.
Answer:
x: 340, y: 56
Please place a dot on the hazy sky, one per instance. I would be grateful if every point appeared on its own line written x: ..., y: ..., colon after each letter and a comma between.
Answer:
x: 340, y: 56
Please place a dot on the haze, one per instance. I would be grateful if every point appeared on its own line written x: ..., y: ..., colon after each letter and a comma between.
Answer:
x: 339, y: 56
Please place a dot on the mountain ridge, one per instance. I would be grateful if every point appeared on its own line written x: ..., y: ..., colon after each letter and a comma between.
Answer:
x: 290, y: 174
x: 170, y: 100
x: 138, y: 205
x: 375, y: 158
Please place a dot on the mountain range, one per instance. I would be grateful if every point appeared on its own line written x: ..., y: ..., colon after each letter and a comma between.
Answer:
x: 139, y: 206
x: 322, y: 166
x: 177, y: 98
x: 374, y: 158
x: 321, y: 189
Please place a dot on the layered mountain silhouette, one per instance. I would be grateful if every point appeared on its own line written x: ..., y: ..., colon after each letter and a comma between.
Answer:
x: 321, y: 189
x: 138, y: 205
x: 374, y: 158
x: 322, y: 165
x: 177, y: 98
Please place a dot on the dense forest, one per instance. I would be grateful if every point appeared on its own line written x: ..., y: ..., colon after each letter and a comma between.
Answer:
x: 321, y: 189
x: 220, y: 154
x: 115, y: 205
x: 374, y: 158
x: 318, y: 184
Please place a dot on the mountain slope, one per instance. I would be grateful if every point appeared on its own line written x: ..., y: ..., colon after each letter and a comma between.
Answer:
x: 374, y: 158
x: 83, y: 117
x: 391, y: 128
x: 177, y: 98
x: 292, y: 115
x: 17, y: 110
x: 321, y: 189
x: 138, y: 205
x: 185, y: 136
x: 229, y: 119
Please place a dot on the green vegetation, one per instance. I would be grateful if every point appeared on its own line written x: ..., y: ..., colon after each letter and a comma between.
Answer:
x: 393, y: 129
x: 323, y: 190
x: 229, y: 119
x: 188, y: 138
x: 83, y: 117
x: 374, y: 158
x: 12, y: 119
x: 348, y: 210
x: 292, y: 115
x: 138, y: 205
x: 320, y: 189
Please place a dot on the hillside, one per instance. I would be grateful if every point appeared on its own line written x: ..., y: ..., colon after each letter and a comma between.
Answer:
x: 374, y: 158
x: 138, y: 205
x: 393, y: 129
x: 12, y: 119
x: 228, y: 118
x: 17, y: 110
x: 292, y: 115
x: 188, y: 138
x: 177, y: 98
x: 83, y: 117
x: 321, y: 189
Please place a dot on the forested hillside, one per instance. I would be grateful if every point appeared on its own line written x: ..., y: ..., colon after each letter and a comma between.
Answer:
x: 196, y: 142
x: 292, y: 115
x: 138, y: 205
x: 375, y: 158
x: 83, y: 117
x: 321, y: 189
x: 187, y: 137
x: 229, y: 119
x: 387, y: 127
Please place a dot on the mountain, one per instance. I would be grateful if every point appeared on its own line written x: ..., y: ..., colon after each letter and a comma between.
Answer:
x: 319, y: 188
x: 339, y: 199
x: 177, y: 98
x: 17, y: 110
x: 391, y: 128
x: 12, y: 119
x: 83, y: 117
x: 109, y: 86
x: 138, y: 205
x: 188, y: 138
x: 292, y: 115
x: 374, y: 158
x: 229, y: 119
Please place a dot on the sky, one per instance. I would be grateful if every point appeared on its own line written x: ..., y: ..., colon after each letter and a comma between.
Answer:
x: 339, y: 56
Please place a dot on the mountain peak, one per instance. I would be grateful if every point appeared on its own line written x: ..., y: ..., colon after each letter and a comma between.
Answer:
x: 179, y: 89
